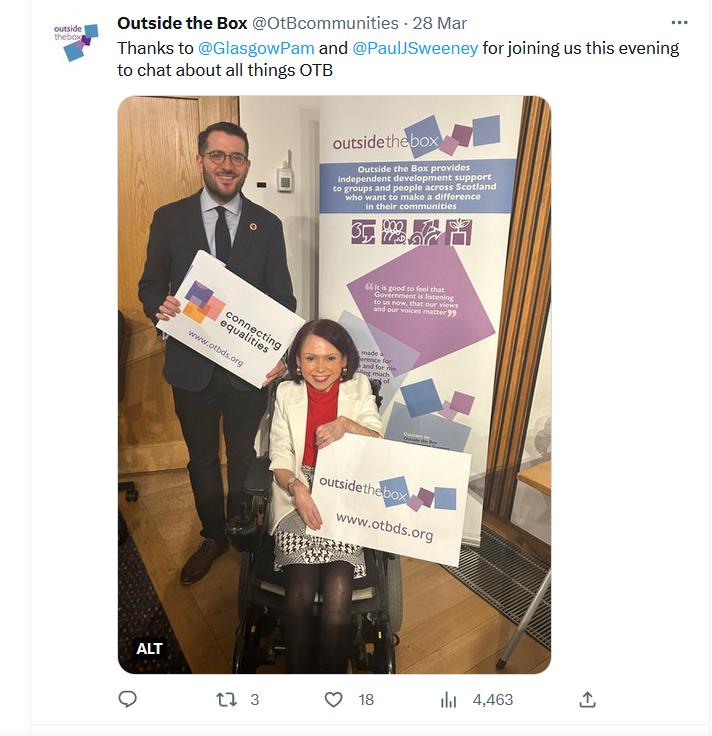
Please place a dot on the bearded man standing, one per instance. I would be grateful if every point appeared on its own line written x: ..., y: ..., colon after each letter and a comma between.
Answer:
x: 250, y: 241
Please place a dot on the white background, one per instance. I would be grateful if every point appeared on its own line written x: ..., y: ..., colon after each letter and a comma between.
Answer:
x: 630, y: 373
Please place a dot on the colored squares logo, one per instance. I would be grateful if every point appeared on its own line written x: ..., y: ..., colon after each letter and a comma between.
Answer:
x: 485, y: 131
x: 414, y: 503
x: 424, y: 136
x: 462, y: 402
x: 426, y: 497
x: 74, y: 51
x: 449, y: 145
x: 199, y: 294
x: 462, y: 134
x: 202, y: 303
x: 446, y: 498
x: 394, y: 491
x: 447, y: 411
x: 421, y: 398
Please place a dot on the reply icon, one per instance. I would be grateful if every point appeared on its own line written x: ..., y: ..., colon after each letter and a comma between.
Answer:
x: 127, y: 697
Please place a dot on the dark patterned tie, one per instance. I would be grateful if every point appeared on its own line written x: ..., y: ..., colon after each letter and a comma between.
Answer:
x: 222, y: 236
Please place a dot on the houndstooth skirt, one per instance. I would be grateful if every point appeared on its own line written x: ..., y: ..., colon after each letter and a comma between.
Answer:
x: 293, y: 546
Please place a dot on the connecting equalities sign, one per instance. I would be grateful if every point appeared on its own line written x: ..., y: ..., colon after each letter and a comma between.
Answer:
x: 149, y: 647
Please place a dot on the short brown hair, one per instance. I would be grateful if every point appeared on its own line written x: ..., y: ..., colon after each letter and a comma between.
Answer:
x: 229, y: 128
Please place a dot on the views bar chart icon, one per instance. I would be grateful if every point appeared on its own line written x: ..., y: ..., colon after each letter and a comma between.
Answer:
x: 445, y: 703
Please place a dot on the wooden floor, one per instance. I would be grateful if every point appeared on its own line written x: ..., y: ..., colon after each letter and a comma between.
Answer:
x: 446, y: 627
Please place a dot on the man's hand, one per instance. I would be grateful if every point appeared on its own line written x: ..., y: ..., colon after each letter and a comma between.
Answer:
x: 276, y: 372
x: 168, y: 309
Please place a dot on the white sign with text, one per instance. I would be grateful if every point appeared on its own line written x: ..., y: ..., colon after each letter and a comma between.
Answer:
x: 393, y: 496
x: 230, y: 321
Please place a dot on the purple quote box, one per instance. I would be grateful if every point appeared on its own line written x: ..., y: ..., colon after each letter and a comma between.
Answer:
x: 432, y: 336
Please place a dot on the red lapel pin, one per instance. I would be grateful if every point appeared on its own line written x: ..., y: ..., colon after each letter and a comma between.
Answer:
x: 253, y: 226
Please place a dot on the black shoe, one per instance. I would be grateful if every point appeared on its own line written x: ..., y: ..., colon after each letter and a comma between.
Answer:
x: 199, y: 563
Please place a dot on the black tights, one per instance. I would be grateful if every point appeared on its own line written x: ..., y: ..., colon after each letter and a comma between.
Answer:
x: 299, y: 623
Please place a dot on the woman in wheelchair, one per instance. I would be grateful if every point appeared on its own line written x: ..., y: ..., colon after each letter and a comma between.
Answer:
x: 326, y: 399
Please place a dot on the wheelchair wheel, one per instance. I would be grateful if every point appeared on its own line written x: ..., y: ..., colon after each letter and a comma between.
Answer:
x: 130, y: 490
x: 394, y: 590
x: 384, y: 652
x: 243, y: 584
x: 247, y: 647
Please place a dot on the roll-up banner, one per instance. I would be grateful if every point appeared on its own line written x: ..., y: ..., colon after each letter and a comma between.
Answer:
x: 415, y: 202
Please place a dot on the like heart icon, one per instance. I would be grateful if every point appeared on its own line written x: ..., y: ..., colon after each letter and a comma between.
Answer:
x: 333, y: 699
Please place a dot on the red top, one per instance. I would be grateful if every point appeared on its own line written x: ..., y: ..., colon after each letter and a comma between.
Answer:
x: 322, y: 407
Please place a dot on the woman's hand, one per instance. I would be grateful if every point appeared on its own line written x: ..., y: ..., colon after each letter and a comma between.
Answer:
x: 306, y: 507
x: 331, y: 431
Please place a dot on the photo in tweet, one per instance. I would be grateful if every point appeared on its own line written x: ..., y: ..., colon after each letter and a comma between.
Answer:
x: 412, y: 234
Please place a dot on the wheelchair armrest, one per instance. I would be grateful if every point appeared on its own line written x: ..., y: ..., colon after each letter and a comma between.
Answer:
x: 259, y: 477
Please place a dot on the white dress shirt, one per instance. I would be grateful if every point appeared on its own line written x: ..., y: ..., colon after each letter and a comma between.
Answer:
x: 210, y: 216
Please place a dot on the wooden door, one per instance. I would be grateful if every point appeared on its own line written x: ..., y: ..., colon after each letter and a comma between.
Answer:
x: 157, y: 148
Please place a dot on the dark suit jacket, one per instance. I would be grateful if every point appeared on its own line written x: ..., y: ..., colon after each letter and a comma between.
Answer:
x: 258, y: 256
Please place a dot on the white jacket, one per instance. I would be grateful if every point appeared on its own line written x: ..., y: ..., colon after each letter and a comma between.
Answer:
x: 289, y: 425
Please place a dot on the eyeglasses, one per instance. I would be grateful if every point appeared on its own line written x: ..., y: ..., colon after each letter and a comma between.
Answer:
x: 217, y: 157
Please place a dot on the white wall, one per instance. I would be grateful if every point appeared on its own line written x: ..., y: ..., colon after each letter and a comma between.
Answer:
x: 275, y: 125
